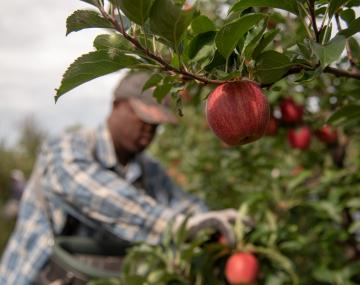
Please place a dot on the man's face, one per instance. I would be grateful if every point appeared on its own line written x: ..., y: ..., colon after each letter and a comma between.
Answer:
x: 129, y: 132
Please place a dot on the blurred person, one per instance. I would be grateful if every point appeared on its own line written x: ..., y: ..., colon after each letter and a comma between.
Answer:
x: 17, y: 186
x: 101, y: 183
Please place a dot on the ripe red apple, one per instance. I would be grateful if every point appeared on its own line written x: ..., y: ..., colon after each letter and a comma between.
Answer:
x: 272, y: 127
x: 237, y: 112
x: 241, y: 268
x: 300, y: 138
x: 291, y: 112
x: 327, y: 135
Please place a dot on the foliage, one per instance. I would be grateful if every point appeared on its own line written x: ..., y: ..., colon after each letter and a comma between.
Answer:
x: 260, y: 40
x: 304, y: 203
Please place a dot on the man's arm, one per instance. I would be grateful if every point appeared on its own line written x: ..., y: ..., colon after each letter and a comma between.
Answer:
x: 169, y: 192
x: 78, y: 180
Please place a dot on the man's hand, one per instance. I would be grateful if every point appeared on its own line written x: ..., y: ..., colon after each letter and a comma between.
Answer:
x: 218, y: 220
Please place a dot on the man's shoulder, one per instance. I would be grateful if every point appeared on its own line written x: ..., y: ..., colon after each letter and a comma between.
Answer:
x: 81, y: 136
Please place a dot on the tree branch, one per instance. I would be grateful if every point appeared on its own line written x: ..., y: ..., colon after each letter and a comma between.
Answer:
x: 342, y: 73
x: 311, y: 4
x: 331, y: 70
x: 185, y: 75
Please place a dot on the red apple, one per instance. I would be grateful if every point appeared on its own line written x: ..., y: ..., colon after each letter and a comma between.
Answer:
x: 327, y: 135
x: 241, y: 268
x: 291, y: 112
x: 300, y: 138
x: 272, y: 127
x: 237, y: 112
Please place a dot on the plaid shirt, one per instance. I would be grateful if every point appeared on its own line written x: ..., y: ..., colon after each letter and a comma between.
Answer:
x: 80, y: 176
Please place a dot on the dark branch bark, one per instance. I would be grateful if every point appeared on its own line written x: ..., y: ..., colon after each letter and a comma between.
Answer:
x: 311, y: 4
x: 342, y: 73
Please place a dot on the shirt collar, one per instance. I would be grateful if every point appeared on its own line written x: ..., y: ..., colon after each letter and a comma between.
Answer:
x: 105, y: 151
x: 106, y: 155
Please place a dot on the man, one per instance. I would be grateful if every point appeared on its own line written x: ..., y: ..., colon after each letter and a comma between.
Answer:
x: 102, y: 180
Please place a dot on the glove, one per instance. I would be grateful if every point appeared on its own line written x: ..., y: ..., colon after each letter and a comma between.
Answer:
x: 220, y: 221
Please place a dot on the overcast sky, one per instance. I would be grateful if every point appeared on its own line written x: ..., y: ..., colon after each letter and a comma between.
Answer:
x: 34, y: 53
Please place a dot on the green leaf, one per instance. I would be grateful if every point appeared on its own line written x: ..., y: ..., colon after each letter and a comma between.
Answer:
x: 230, y: 34
x: 298, y: 180
x: 253, y: 42
x: 216, y: 61
x: 344, y: 115
x: 325, y: 34
x: 287, y: 5
x: 335, y: 5
x: 271, y: 66
x: 107, y: 41
x: 92, y: 65
x: 330, y: 52
x: 305, y: 50
x: 198, y: 42
x: 162, y: 89
x: 353, y: 203
x: 353, y: 28
x: 355, y: 227
x: 264, y: 42
x: 137, y: 11
x: 355, y: 49
x: 281, y: 260
x: 348, y: 15
x: 169, y: 21
x: 85, y: 19
x: 152, y: 81
x: 202, y: 24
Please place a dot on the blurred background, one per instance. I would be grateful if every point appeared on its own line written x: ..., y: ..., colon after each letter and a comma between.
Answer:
x: 34, y: 53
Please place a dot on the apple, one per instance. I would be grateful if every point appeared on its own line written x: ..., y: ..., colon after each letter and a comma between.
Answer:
x: 327, y: 135
x: 237, y: 112
x: 291, y: 112
x: 272, y: 127
x: 300, y: 138
x: 241, y: 268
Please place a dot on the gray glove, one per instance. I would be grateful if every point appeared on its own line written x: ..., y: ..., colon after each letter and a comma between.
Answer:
x: 217, y: 220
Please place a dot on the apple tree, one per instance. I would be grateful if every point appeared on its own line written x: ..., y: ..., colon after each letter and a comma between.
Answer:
x: 298, y: 186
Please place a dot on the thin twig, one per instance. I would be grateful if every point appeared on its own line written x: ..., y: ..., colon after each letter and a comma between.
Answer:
x: 311, y: 4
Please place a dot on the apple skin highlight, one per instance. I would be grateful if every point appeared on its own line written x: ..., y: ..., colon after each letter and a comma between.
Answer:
x: 238, y: 112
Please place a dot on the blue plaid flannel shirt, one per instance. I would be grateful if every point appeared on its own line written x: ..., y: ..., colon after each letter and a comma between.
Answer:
x: 81, y: 176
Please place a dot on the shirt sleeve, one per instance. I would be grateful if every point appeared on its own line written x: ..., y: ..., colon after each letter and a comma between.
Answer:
x: 169, y: 192
x: 73, y: 175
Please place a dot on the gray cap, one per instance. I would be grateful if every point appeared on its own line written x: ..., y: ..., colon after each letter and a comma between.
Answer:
x: 143, y: 102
